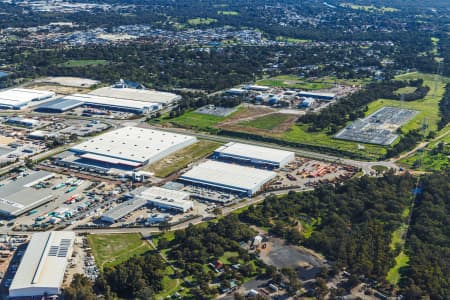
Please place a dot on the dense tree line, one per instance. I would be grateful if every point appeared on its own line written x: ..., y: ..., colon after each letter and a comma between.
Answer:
x: 444, y: 108
x: 80, y: 289
x: 139, y: 277
x: 407, y: 142
x: 428, y: 244
x: 353, y: 222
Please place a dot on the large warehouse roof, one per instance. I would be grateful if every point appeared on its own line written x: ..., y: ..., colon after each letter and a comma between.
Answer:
x: 16, y: 98
x: 136, y: 95
x: 229, y: 176
x: 137, y: 145
x: 19, y: 196
x: 255, y: 154
x: 59, y: 105
x: 42, y: 268
x: 112, y: 103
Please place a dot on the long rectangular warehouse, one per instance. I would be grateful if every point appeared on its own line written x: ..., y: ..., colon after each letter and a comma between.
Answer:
x: 231, y: 177
x: 143, y: 95
x: 256, y: 155
x: 41, y: 271
x: 18, y: 98
x: 131, y: 147
x: 19, y: 196
x: 115, y: 104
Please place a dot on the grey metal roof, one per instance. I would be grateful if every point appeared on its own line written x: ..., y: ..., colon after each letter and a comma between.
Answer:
x: 61, y: 104
x: 19, y: 196
x: 124, y: 208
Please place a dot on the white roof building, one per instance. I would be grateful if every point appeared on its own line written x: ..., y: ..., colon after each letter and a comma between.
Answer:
x: 143, y: 95
x: 41, y: 271
x: 230, y: 177
x: 111, y: 103
x: 17, y: 98
x: 132, y: 146
x: 168, y: 199
x: 255, y: 154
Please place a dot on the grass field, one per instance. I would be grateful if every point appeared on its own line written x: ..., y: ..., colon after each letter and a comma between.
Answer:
x: 182, y: 158
x: 291, y: 40
x: 201, y: 21
x: 405, y: 90
x: 84, y: 63
x: 294, y: 82
x: 268, y: 122
x: 428, y: 106
x: 228, y: 13
x: 196, y: 120
x: 429, y: 161
x: 401, y: 261
x: 112, y: 249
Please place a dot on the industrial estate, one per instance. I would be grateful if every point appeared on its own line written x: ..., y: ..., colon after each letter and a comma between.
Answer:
x: 192, y: 150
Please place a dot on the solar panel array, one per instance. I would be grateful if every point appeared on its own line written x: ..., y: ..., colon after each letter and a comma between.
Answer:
x: 61, y: 250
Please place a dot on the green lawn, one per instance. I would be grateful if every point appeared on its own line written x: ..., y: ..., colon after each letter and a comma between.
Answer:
x: 226, y: 256
x: 84, y: 63
x: 268, y: 122
x: 196, y: 120
x: 182, y: 158
x: 405, y: 90
x: 201, y: 21
x: 112, y: 249
x: 401, y: 261
x: 228, y: 12
x: 170, y: 285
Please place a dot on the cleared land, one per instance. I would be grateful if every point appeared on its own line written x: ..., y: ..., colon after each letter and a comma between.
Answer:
x: 84, y: 63
x: 291, y: 40
x: 112, y: 249
x: 268, y: 122
x: 182, y: 158
x: 201, y: 21
x: 293, y: 81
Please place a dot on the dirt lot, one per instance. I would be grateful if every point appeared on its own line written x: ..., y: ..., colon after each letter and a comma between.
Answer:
x: 305, y: 261
x: 58, y: 89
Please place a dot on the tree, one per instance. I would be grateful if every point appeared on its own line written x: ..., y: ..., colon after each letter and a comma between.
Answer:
x: 80, y: 289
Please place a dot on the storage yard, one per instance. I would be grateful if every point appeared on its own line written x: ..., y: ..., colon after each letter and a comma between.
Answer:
x: 378, y: 128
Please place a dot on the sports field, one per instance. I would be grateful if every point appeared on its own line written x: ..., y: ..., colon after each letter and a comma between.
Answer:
x: 112, y: 249
x: 182, y: 158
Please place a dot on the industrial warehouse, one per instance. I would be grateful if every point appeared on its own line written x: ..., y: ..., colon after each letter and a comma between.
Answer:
x: 19, y: 98
x: 41, y: 271
x: 141, y: 95
x: 19, y: 196
x: 154, y: 196
x: 136, y: 101
x: 229, y: 177
x: 130, y: 147
x: 255, y: 155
